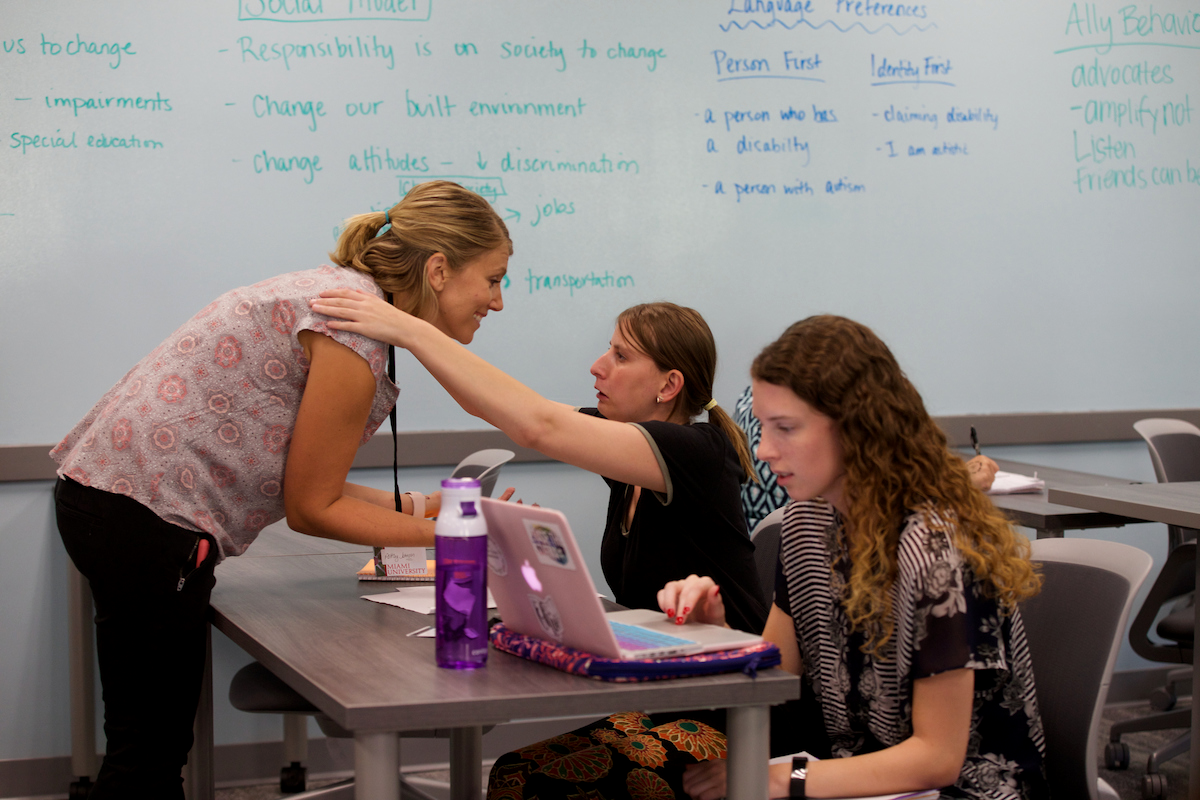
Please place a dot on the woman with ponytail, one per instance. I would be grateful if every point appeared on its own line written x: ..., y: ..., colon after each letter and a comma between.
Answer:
x: 674, y: 505
x: 251, y: 411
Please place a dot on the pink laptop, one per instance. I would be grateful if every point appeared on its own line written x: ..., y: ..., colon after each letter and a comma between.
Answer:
x: 543, y: 589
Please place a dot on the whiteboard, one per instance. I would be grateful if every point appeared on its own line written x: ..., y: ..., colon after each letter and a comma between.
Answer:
x: 1006, y: 191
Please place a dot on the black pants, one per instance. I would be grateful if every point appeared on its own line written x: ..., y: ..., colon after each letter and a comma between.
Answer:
x: 151, y: 617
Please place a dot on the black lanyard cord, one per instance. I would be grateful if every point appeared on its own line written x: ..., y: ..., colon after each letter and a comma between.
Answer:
x: 392, y: 418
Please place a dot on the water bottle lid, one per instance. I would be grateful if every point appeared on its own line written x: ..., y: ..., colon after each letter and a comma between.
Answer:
x: 460, y: 483
x: 468, y: 508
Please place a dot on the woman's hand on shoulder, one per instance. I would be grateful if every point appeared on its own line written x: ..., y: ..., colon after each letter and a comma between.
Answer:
x: 366, y: 314
x: 693, y: 598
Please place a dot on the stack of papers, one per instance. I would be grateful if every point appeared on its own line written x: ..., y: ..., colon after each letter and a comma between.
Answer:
x: 1012, y: 483
x: 414, y: 598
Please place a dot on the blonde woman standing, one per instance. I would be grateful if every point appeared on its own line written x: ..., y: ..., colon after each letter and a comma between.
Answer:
x: 251, y: 411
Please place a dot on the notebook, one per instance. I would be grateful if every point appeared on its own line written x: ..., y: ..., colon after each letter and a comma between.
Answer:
x: 1014, y: 483
x: 369, y: 573
x: 543, y: 589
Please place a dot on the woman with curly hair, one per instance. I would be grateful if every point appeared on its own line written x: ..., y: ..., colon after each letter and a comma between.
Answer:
x: 896, y: 589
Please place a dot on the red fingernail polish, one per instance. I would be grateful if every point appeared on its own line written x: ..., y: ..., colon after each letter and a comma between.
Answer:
x: 686, y: 610
x: 679, y: 620
x: 670, y: 612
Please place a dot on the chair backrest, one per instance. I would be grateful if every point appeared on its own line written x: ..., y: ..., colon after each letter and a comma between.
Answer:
x: 1175, y: 453
x: 766, y: 551
x: 1174, y: 448
x: 1074, y: 627
x: 484, y: 465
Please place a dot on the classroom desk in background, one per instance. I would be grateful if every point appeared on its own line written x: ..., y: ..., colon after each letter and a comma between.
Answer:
x: 304, y: 619
x: 1050, y: 519
x: 1171, y: 504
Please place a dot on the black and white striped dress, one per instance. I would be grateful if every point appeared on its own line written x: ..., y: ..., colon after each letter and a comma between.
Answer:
x: 943, y: 621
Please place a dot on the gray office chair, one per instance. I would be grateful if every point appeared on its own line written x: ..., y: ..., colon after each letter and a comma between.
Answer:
x: 1175, y: 453
x: 256, y: 690
x: 766, y: 537
x: 484, y: 465
x: 1074, y: 627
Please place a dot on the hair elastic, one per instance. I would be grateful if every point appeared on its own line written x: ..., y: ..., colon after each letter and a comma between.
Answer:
x: 387, y: 224
x: 710, y: 405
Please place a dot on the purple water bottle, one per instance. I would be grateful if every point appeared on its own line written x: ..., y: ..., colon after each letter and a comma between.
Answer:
x: 460, y: 538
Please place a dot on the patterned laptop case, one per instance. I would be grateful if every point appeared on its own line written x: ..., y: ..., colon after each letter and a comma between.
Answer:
x: 745, y: 659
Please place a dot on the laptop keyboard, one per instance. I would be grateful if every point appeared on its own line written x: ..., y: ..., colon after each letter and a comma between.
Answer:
x: 634, y: 638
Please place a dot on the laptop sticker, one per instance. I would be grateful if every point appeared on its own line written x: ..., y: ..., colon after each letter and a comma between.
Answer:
x: 547, y: 616
x: 496, y: 561
x: 549, y: 544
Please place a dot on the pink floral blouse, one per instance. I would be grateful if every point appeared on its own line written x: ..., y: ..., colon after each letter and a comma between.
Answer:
x: 199, y: 430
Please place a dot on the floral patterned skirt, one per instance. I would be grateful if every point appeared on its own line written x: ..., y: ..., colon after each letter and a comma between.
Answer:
x: 623, y: 756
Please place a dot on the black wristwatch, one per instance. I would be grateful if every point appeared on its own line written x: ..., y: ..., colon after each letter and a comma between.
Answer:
x: 799, y: 774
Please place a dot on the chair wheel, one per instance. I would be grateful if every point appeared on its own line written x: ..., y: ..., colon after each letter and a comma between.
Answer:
x: 1162, y: 699
x: 291, y: 778
x: 1154, y: 787
x: 79, y: 789
x: 1116, y: 755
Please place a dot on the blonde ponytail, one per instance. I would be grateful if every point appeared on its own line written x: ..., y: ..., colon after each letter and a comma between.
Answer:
x: 434, y: 217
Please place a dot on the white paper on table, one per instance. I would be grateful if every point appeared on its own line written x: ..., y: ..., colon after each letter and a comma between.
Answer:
x: 415, y: 598
x: 1013, y: 483
x: 927, y: 794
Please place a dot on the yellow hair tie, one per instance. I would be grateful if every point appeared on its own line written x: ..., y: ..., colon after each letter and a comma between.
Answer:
x: 710, y: 404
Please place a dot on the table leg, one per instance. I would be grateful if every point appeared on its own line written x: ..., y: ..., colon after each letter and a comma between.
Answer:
x: 1049, y: 533
x: 749, y: 743
x: 376, y: 766
x: 1194, y: 750
x: 83, y: 682
x: 466, y: 763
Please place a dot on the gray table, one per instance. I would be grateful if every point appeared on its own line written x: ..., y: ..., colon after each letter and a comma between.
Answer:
x: 1050, y: 518
x: 303, y: 617
x: 1169, y: 503
x: 1035, y: 511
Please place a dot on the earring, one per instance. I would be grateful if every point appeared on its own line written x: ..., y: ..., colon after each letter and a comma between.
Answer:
x: 658, y: 399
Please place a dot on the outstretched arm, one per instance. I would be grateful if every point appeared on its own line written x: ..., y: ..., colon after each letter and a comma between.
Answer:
x: 612, y: 449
